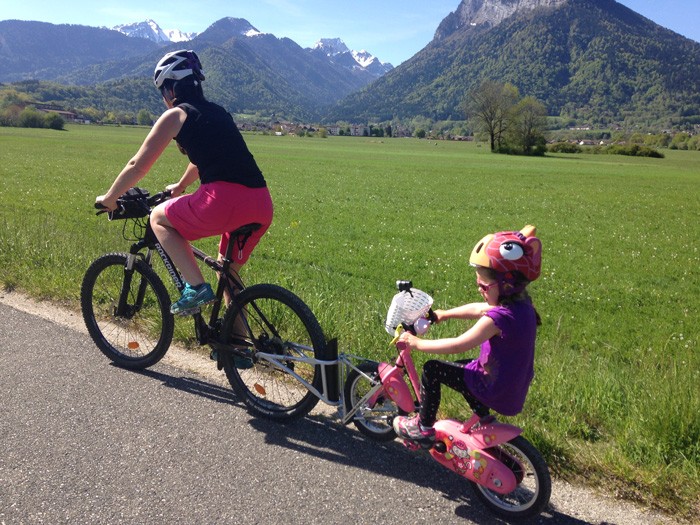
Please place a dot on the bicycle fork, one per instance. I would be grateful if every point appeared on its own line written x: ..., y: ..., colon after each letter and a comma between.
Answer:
x: 123, y: 308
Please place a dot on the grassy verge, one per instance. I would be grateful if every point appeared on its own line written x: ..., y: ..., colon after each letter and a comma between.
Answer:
x: 615, y: 400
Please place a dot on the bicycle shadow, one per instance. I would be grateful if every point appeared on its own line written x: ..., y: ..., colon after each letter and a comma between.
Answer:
x: 323, y: 437
x: 194, y: 386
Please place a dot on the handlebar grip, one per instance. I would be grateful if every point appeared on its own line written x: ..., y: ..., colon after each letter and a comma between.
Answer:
x: 432, y: 317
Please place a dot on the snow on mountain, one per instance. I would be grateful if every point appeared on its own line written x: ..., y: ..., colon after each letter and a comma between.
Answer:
x: 336, y: 49
x: 175, y: 35
x: 331, y: 46
x: 152, y: 31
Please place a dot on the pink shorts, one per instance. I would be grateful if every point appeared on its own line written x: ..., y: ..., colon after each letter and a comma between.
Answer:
x: 218, y: 208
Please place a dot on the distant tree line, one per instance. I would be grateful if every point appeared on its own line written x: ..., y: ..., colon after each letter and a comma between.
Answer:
x: 16, y: 112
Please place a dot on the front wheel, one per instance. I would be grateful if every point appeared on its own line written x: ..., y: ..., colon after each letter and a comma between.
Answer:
x: 276, y: 322
x: 375, y: 420
x: 531, y: 496
x: 126, y: 312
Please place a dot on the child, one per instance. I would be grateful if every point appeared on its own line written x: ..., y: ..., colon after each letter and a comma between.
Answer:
x: 232, y: 190
x: 499, y: 379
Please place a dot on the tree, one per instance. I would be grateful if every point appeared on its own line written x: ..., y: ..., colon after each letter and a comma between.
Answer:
x: 144, y: 118
x: 490, y: 106
x: 528, y: 122
x: 54, y: 121
x: 31, y: 118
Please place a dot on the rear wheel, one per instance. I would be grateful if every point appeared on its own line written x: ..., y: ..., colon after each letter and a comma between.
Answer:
x: 531, y: 496
x: 374, y: 421
x: 127, y: 313
x: 276, y: 322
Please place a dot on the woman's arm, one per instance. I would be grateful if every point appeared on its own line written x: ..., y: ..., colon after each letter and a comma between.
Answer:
x: 167, y: 127
x: 191, y: 174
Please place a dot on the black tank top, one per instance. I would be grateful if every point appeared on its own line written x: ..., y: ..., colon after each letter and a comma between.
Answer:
x: 213, y: 143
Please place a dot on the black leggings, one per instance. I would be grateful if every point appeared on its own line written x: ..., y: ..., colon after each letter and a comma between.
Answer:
x: 438, y: 373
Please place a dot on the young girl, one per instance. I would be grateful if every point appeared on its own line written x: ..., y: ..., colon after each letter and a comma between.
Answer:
x: 499, y: 379
x: 232, y: 189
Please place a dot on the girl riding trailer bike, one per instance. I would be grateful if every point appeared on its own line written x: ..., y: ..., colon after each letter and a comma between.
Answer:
x: 505, y: 262
x: 507, y: 473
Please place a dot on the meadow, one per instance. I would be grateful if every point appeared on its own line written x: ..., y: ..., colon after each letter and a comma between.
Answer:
x: 616, y: 397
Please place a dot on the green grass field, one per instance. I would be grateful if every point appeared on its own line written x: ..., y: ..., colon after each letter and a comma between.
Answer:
x: 615, y: 399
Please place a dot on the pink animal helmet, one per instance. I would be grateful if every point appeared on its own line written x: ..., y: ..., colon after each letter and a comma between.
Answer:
x: 507, y: 252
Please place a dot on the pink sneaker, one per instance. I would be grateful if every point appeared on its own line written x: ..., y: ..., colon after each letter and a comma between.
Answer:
x: 410, y: 428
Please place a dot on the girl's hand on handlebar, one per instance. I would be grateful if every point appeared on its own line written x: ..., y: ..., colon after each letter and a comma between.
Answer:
x: 407, y: 339
x: 437, y: 316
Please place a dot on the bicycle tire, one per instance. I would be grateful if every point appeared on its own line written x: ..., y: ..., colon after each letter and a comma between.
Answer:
x: 374, y: 422
x: 139, y: 338
x: 534, y: 489
x: 279, y: 322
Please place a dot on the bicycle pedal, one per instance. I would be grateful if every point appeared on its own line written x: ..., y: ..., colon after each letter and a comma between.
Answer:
x: 411, y: 445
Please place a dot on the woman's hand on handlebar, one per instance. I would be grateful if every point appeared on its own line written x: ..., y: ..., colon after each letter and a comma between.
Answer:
x: 175, y: 190
x: 105, y: 204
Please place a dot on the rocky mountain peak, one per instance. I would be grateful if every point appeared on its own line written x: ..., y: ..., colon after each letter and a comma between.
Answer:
x: 338, y: 51
x: 487, y: 13
x: 150, y: 30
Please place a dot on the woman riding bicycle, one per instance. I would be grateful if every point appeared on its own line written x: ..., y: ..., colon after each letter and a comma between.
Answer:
x: 232, y: 190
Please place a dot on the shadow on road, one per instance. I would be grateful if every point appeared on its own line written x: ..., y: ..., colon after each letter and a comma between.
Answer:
x: 324, y: 438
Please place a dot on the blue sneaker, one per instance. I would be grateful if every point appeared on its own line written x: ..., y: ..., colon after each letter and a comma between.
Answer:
x: 192, y: 299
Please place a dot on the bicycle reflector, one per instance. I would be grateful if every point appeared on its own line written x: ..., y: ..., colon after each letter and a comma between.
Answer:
x: 407, y: 307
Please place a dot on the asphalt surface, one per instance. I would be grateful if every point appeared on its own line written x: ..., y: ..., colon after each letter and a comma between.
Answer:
x: 82, y: 441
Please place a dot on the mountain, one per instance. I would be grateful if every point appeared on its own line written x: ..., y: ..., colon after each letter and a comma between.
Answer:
x: 591, y: 60
x: 39, y: 50
x: 336, y: 51
x: 152, y: 31
x: 247, y: 70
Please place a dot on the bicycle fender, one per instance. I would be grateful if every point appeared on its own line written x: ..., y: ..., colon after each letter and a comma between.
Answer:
x: 494, y: 434
x: 395, y: 387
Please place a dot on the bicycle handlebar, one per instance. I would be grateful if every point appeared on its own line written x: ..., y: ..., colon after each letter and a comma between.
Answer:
x: 132, y: 206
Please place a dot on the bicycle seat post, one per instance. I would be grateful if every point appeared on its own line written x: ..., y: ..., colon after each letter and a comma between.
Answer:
x: 237, y: 239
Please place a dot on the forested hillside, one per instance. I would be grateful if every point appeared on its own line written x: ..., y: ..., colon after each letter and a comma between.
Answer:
x: 592, y: 60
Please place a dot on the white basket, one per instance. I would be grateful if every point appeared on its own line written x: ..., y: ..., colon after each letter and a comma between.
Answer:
x: 407, y: 308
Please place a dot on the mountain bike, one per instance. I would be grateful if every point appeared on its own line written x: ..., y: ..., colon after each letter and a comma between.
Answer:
x: 126, y: 309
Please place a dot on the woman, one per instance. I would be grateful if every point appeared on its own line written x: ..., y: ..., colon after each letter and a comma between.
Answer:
x: 232, y: 190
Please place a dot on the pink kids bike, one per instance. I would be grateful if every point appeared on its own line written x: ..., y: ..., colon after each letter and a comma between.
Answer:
x: 506, y: 471
x: 287, y: 375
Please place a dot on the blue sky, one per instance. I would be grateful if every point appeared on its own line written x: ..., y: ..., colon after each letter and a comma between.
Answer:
x: 392, y: 30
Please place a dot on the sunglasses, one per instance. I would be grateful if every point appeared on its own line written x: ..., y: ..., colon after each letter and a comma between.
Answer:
x: 486, y: 287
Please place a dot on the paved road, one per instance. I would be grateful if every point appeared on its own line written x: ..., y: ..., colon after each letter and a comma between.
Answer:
x: 83, y: 441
